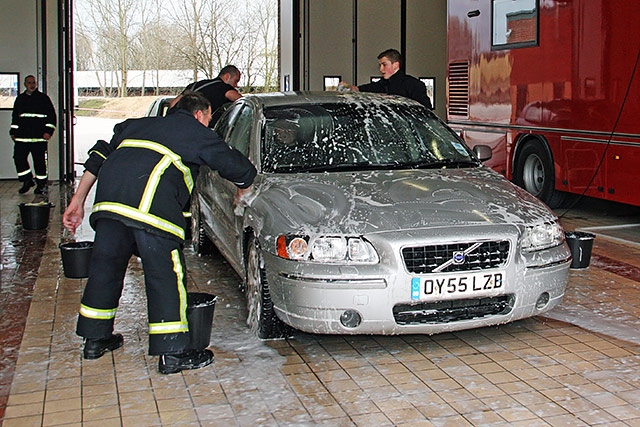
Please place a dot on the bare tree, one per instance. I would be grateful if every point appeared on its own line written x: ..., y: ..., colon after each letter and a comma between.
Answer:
x: 83, y: 50
x: 209, y: 34
x: 186, y: 18
x: 199, y: 35
x: 262, y: 59
x: 115, y: 21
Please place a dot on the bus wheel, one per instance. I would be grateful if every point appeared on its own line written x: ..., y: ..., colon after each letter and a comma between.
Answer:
x: 535, y: 173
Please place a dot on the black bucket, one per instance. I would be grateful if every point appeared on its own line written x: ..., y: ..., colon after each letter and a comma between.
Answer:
x: 200, y: 317
x: 76, y: 257
x: 35, y: 216
x: 580, y: 244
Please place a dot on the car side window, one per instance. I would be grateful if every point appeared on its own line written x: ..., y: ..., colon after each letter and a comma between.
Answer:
x: 225, y: 122
x: 235, y: 127
x: 240, y: 131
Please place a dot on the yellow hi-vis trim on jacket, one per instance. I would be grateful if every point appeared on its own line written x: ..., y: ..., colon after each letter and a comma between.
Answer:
x: 34, y: 115
x: 159, y: 148
x: 183, y: 324
x: 97, y: 313
x: 144, y: 217
x: 141, y: 213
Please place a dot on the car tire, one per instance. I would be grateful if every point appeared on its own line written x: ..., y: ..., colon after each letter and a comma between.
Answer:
x: 261, y: 317
x: 534, y: 171
x: 201, y: 243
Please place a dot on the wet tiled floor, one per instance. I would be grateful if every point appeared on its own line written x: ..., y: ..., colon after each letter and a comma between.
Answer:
x: 577, y: 366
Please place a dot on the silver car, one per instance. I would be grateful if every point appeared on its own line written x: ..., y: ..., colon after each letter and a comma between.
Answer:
x: 370, y: 216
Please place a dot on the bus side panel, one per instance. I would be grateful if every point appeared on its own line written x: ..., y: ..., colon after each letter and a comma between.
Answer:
x: 577, y: 88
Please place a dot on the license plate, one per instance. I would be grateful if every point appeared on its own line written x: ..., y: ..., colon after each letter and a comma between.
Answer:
x: 451, y: 286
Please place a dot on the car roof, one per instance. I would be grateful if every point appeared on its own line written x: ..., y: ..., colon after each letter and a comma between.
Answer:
x: 274, y: 99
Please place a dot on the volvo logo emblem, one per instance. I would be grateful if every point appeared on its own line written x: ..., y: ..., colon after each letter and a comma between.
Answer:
x: 458, y: 257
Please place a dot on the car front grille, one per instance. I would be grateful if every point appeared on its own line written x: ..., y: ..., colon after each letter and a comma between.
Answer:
x: 452, y: 311
x: 448, y: 258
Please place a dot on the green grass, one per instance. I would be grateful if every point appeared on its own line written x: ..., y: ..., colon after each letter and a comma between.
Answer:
x: 88, y: 107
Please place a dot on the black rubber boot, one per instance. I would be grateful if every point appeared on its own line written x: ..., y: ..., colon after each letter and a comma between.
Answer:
x: 192, y: 359
x: 41, y: 188
x: 26, y: 186
x: 95, y: 348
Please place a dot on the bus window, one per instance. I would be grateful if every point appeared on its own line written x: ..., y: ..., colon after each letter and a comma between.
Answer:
x: 515, y: 23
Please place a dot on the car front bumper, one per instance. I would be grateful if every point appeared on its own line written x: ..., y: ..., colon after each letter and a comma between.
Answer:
x: 313, y: 298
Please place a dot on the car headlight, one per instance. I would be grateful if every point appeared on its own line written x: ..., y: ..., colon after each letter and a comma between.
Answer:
x: 327, y: 249
x: 542, y: 236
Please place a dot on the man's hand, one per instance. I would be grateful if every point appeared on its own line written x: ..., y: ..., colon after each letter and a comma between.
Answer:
x: 242, y: 199
x: 73, y: 215
x: 46, y: 136
x: 347, y: 87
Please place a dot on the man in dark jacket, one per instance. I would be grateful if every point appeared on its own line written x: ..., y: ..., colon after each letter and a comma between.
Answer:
x: 219, y: 91
x: 394, y: 81
x: 145, y: 177
x: 33, y: 122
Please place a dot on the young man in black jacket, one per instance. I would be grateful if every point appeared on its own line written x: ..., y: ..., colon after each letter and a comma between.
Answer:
x: 394, y: 81
x: 33, y: 122
x: 146, y: 175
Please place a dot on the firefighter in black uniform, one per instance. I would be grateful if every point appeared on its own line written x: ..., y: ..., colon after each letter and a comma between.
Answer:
x: 145, y: 176
x: 33, y: 122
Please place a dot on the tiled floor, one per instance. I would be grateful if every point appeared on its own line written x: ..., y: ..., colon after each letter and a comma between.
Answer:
x: 580, y: 365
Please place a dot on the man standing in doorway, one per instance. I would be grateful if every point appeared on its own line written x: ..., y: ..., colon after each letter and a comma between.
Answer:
x: 219, y: 91
x: 394, y: 81
x: 33, y: 122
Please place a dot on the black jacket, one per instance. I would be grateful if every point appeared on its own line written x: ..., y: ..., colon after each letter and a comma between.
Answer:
x: 147, y: 171
x: 33, y: 116
x: 400, y: 84
x: 214, y: 90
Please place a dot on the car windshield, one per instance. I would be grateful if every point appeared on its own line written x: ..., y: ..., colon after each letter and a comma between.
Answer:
x: 358, y: 136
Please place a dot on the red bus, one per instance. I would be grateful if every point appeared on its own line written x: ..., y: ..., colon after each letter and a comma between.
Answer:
x: 552, y: 87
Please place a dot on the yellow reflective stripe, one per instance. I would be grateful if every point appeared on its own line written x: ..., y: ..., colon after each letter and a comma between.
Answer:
x: 23, y: 173
x: 98, y: 153
x: 152, y: 183
x: 97, y: 313
x: 30, y: 139
x: 168, y: 328
x: 179, y: 270
x: 41, y: 176
x: 159, y: 148
x: 183, y: 324
x: 40, y: 116
x: 144, y: 217
x: 49, y: 125
x: 14, y: 126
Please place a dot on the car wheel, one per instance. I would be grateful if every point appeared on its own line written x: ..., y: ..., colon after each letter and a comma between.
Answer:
x: 202, y: 245
x: 261, y: 316
x: 534, y: 171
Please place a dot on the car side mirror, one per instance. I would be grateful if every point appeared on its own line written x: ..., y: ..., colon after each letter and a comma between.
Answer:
x: 482, y: 152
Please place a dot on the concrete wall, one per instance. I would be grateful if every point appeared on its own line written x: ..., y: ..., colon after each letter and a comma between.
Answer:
x: 327, y: 41
x: 427, y: 45
x: 378, y: 29
x: 21, y: 51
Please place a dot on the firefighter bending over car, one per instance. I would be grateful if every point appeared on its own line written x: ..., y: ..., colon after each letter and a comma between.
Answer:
x: 145, y: 177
